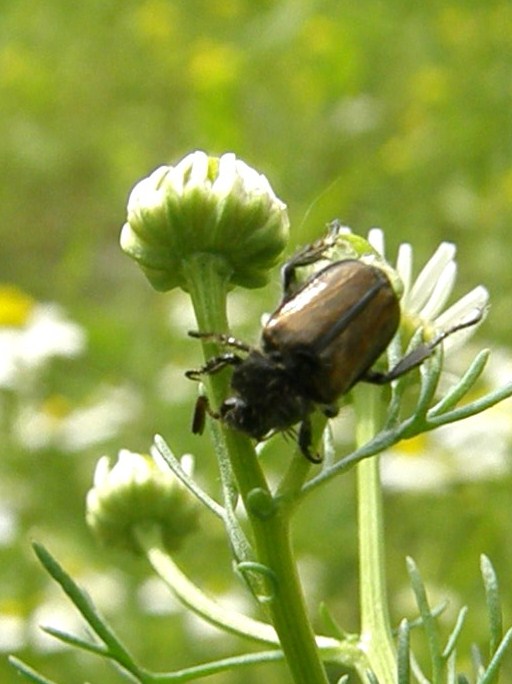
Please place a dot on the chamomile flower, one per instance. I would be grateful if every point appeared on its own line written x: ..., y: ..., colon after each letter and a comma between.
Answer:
x: 423, y: 299
x: 32, y: 333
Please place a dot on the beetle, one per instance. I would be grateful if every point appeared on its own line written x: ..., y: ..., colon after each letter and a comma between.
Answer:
x: 324, y: 337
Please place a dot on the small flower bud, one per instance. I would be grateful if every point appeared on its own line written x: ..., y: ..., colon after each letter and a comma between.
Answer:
x: 210, y: 205
x: 135, y: 493
x: 340, y: 244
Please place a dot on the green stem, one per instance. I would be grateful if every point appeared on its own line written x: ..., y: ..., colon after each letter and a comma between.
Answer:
x: 376, y: 639
x: 189, y: 595
x: 207, y: 282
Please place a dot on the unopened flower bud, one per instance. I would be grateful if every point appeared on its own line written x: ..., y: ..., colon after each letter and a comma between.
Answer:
x: 136, y: 493
x: 215, y: 205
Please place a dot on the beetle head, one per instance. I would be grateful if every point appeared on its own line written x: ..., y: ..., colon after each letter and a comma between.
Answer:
x: 266, y: 398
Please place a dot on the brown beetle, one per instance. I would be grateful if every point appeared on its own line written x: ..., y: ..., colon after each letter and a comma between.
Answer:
x: 323, y: 338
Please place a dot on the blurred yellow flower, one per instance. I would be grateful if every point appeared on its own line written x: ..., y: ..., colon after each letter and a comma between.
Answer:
x: 15, y: 306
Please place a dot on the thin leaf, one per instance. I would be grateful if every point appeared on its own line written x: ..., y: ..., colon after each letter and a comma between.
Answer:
x: 73, y: 640
x: 451, y: 673
x: 471, y: 409
x: 161, y: 447
x: 428, y: 619
x: 455, y: 394
x: 343, y: 679
x: 416, y: 671
x: 226, y: 664
x: 78, y: 596
x: 371, y: 677
x: 436, y: 611
x: 383, y: 440
x: 492, y: 671
x: 492, y: 595
x: 28, y: 672
x: 430, y: 373
x: 478, y: 664
x: 86, y: 607
x: 452, y: 639
x: 242, y: 549
x: 332, y: 626
x: 403, y: 653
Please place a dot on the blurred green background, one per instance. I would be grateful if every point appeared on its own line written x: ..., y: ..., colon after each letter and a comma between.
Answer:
x: 394, y: 114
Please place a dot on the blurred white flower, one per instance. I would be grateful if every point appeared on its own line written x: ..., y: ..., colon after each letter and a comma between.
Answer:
x: 28, y: 345
x: 108, y: 587
x: 12, y: 632
x: 473, y: 449
x: 202, y: 630
x: 154, y: 598
x: 51, y: 424
x: 9, y: 521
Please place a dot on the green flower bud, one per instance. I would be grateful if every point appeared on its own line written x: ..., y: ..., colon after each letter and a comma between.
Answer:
x: 135, y: 493
x: 215, y: 205
x: 340, y: 244
x: 347, y: 245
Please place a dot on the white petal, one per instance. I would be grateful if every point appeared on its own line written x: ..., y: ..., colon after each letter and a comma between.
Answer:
x: 468, y: 308
x: 194, y: 169
x: 465, y: 307
x: 441, y: 292
x: 427, y: 279
x: 404, y: 265
x: 101, y: 471
x: 227, y: 178
x: 130, y: 466
x: 376, y: 240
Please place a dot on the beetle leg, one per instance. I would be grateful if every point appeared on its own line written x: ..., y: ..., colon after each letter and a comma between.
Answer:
x: 214, y: 365
x: 225, y: 340
x: 421, y: 353
x: 217, y: 363
x: 308, y: 255
x: 304, y: 441
x: 201, y: 409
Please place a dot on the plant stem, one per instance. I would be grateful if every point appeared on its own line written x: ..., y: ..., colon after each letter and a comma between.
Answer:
x: 376, y: 639
x: 193, y: 598
x: 207, y: 281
